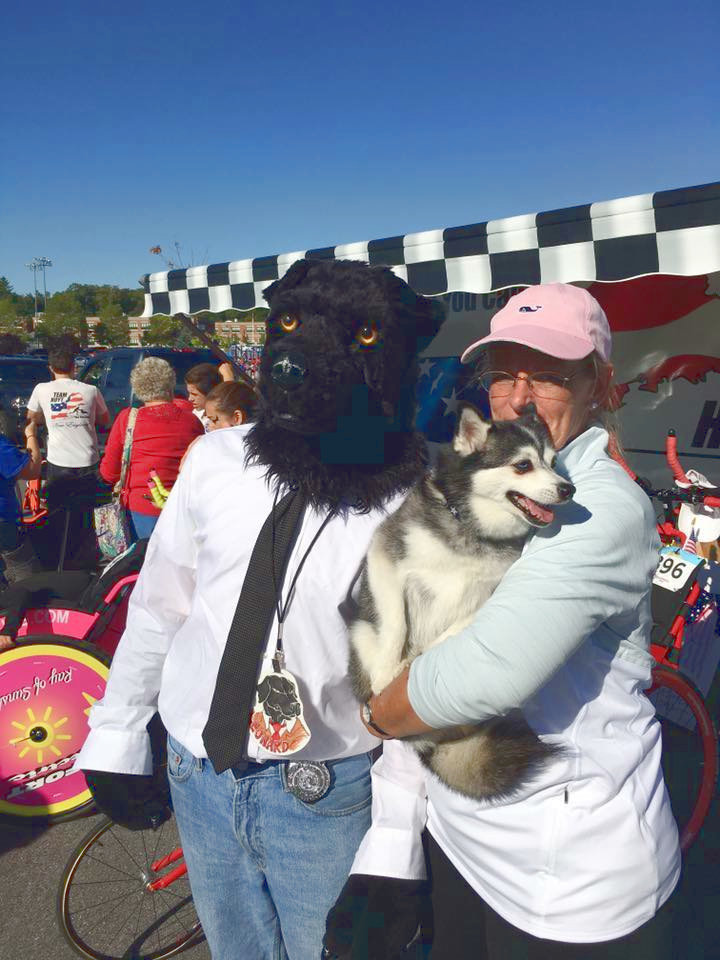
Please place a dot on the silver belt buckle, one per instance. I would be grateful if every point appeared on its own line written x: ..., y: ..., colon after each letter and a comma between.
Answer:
x: 308, y: 780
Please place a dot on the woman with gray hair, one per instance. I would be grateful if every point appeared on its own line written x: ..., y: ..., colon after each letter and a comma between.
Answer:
x: 161, y: 434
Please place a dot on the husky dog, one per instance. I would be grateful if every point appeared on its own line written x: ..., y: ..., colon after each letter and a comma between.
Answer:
x: 434, y: 562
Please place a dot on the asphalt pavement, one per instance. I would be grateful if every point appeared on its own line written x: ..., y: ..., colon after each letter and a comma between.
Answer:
x: 32, y: 860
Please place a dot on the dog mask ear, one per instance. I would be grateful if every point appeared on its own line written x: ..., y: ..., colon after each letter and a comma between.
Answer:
x: 420, y: 317
x: 293, y: 278
x: 471, y: 432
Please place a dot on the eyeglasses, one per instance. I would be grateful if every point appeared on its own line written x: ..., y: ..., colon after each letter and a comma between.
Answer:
x: 547, y: 385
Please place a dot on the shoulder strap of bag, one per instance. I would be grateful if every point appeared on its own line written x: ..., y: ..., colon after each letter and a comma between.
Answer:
x: 127, y: 448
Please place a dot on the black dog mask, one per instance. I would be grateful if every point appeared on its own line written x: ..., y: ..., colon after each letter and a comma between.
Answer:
x: 337, y: 381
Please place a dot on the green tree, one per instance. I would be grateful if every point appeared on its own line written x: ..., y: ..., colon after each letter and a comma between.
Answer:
x: 165, y: 331
x: 113, y: 333
x: 9, y: 318
x: 64, y: 315
x: 11, y: 344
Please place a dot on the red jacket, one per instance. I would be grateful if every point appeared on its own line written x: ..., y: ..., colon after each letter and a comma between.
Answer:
x: 161, y: 436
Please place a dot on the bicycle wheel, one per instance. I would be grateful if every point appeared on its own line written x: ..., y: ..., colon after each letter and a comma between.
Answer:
x: 47, y: 686
x: 690, y: 757
x: 105, y: 907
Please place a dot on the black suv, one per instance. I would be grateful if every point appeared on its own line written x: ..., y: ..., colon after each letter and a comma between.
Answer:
x: 18, y: 376
x: 110, y: 371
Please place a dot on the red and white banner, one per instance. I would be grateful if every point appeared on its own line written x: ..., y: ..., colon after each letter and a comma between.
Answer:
x: 666, y: 353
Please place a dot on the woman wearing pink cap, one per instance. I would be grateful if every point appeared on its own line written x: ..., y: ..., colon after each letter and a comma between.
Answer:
x: 580, y: 862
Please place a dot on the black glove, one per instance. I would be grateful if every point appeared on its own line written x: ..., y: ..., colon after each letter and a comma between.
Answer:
x: 379, y: 918
x: 132, y: 801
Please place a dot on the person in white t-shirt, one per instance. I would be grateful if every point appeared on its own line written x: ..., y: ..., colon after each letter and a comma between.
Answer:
x: 200, y: 380
x: 70, y: 410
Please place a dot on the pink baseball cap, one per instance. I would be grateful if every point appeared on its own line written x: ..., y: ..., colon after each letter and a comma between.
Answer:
x: 555, y: 318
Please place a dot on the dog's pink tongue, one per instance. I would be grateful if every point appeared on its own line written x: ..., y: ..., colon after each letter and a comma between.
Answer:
x: 536, y: 510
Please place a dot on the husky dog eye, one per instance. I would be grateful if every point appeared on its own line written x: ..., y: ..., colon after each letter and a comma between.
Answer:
x: 367, y: 336
x: 287, y: 323
x: 522, y: 466
x: 553, y: 462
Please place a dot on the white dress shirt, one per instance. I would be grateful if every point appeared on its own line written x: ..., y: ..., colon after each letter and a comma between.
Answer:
x: 182, y: 606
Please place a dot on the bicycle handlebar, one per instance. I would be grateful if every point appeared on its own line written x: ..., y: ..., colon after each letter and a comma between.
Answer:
x: 695, y: 495
x: 672, y: 458
x: 703, y: 496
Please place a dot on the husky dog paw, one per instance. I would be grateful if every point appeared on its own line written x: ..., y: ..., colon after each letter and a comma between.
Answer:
x: 383, y: 675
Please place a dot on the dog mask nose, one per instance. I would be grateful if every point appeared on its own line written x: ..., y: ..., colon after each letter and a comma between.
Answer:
x: 565, y: 491
x: 289, y: 369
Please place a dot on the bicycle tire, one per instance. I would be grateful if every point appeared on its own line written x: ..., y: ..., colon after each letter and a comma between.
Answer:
x: 47, y: 685
x: 706, y: 730
x: 105, y: 880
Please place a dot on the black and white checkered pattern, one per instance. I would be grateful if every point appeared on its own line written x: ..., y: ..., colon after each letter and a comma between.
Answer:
x: 672, y: 232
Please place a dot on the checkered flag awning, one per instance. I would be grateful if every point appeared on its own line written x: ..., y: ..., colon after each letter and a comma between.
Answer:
x: 670, y: 232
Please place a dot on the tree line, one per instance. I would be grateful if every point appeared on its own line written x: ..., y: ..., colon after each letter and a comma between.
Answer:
x: 66, y: 311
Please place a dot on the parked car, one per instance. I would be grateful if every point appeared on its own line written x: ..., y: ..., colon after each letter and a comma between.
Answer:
x: 18, y: 376
x: 110, y: 371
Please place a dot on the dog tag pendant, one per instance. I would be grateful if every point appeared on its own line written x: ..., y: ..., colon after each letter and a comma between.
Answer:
x: 278, y: 723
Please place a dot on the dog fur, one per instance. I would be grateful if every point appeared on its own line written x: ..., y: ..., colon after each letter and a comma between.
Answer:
x: 337, y: 383
x: 434, y: 562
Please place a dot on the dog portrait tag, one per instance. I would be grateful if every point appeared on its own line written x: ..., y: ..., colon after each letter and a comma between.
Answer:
x: 278, y: 723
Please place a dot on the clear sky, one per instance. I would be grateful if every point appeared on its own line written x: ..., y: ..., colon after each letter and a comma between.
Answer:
x: 251, y: 128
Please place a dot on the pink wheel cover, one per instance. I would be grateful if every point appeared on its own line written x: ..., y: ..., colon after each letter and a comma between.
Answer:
x: 46, y: 691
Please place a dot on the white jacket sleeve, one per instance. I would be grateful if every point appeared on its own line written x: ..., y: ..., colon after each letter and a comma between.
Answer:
x: 118, y: 741
x: 392, y: 847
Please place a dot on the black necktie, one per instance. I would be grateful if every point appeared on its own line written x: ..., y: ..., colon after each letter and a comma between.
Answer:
x: 226, y: 730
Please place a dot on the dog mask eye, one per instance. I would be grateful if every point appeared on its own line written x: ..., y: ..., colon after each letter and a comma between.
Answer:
x: 288, y: 324
x: 367, y: 336
x: 522, y: 466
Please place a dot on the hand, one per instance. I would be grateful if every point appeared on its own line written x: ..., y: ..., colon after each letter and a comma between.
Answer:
x: 132, y: 801
x: 378, y: 918
x: 226, y: 371
x: 392, y: 713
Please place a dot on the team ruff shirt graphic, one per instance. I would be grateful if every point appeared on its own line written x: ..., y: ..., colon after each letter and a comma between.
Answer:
x: 70, y: 409
x: 68, y: 406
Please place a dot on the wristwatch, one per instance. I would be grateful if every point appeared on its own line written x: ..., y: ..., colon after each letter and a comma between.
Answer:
x: 366, y: 714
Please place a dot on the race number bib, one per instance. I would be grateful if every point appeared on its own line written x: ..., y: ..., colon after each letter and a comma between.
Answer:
x: 675, y: 569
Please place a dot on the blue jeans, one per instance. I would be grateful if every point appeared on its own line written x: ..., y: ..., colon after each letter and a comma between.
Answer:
x: 143, y: 524
x: 264, y: 867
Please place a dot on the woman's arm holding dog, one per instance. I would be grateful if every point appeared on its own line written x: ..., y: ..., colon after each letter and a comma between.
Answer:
x: 558, y: 594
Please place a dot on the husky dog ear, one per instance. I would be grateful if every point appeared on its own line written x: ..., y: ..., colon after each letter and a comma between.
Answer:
x: 471, y: 432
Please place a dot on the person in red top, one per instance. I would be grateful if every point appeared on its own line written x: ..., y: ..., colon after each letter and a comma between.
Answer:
x: 163, y: 431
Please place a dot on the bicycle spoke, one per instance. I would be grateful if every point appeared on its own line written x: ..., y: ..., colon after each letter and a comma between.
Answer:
x: 112, y: 866
x: 118, y: 920
x: 125, y: 849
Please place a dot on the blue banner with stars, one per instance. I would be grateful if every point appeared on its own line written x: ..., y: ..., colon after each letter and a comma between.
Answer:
x: 444, y: 385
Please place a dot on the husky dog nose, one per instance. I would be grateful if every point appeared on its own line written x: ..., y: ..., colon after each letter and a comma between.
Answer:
x: 289, y: 369
x: 565, y: 491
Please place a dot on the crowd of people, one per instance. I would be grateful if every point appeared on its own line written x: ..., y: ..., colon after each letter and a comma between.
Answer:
x: 154, y: 439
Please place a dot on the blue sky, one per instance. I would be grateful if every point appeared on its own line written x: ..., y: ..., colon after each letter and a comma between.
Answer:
x: 247, y: 129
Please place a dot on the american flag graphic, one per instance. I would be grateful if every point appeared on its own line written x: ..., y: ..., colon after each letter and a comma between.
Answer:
x: 66, y: 407
x: 444, y: 385
x: 690, y: 545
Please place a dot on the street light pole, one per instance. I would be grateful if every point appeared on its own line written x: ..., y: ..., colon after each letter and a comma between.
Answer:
x: 34, y: 266
x: 44, y: 262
